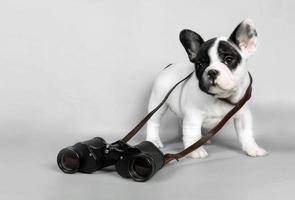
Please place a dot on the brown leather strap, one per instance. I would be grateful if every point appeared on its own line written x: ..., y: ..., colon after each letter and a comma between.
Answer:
x: 169, y: 157
x: 150, y: 114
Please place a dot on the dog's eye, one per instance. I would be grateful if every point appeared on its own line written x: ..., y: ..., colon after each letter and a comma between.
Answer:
x: 228, y: 60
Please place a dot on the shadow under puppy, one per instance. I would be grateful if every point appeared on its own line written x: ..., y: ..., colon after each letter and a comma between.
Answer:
x: 220, y: 66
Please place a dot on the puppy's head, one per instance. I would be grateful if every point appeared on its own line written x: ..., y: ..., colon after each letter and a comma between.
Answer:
x: 220, y: 62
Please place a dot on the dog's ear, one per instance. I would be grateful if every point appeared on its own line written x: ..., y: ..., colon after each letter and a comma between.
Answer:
x: 245, y: 37
x: 191, y: 42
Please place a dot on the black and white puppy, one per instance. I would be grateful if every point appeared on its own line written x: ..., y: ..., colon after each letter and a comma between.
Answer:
x: 220, y: 66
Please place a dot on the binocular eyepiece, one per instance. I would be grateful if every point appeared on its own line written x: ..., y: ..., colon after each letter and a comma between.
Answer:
x: 139, y: 162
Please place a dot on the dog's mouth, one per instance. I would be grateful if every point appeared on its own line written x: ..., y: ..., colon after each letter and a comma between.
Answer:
x: 212, y: 82
x: 220, y: 84
x: 215, y: 88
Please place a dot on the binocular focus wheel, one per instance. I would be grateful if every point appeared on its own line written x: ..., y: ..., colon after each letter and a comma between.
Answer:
x: 141, y: 168
x: 68, y: 160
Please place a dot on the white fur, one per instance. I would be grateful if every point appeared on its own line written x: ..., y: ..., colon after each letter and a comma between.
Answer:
x: 198, y: 109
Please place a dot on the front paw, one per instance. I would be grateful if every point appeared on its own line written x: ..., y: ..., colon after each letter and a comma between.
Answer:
x: 255, y: 151
x: 199, y: 153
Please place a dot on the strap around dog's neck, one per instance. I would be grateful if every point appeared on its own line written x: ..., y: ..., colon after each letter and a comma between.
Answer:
x: 169, y: 157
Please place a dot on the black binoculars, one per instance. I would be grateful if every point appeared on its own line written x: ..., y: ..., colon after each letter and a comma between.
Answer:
x: 139, y: 162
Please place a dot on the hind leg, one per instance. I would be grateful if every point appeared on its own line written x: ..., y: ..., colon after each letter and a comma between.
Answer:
x: 153, y: 125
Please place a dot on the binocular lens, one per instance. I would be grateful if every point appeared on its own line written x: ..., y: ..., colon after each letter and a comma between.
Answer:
x: 68, y: 160
x: 141, y: 169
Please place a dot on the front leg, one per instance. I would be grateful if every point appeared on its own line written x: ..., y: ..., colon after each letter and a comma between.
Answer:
x: 243, y: 126
x: 191, y: 130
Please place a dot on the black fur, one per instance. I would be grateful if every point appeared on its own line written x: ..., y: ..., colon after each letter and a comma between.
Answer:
x: 225, y: 49
x: 202, y: 61
x: 191, y: 42
x: 233, y: 36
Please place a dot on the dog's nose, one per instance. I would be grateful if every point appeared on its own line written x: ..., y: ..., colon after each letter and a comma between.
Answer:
x: 212, y: 74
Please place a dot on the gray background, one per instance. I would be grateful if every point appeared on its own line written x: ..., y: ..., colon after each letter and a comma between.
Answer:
x: 73, y: 69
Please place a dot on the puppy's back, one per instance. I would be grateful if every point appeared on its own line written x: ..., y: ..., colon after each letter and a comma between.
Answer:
x: 169, y: 76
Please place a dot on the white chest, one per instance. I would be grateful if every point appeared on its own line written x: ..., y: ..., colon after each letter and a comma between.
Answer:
x: 189, y: 101
x: 214, y: 114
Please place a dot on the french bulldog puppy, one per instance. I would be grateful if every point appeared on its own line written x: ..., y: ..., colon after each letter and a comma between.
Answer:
x: 220, y: 71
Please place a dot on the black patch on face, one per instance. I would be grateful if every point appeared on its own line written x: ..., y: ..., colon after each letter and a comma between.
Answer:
x: 202, y: 61
x: 228, y: 55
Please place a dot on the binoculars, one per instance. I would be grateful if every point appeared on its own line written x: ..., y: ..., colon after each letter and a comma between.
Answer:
x: 139, y: 162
